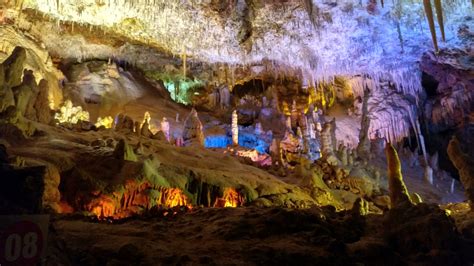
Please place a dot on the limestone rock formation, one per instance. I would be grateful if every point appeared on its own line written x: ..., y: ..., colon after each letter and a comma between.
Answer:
x: 192, y: 132
x: 124, y: 124
x: 360, y: 207
x: 465, y: 166
x: 397, y: 190
x: 51, y: 195
x: 43, y: 111
x: 123, y: 151
x: 328, y: 143
x: 165, y: 127
x: 145, y: 130
x: 363, y: 148
x: 13, y: 66
x: 235, y: 128
x: 24, y: 94
x: 290, y: 149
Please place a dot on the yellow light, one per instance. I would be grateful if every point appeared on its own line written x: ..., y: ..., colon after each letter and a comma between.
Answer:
x: 71, y: 114
x: 106, y: 122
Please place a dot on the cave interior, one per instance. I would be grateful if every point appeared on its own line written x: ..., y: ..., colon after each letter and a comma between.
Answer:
x: 237, y: 132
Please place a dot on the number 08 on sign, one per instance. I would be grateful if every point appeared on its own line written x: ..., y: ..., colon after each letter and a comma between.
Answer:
x: 23, y: 239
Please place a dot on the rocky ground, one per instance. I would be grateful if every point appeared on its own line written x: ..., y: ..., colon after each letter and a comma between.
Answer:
x: 418, y: 235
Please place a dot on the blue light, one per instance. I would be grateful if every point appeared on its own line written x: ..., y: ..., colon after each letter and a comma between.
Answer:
x: 246, y: 140
x: 217, y: 141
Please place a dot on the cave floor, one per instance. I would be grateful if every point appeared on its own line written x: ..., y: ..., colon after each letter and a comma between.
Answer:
x: 252, y: 236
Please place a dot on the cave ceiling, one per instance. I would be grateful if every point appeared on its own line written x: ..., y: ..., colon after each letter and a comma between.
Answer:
x: 317, y: 39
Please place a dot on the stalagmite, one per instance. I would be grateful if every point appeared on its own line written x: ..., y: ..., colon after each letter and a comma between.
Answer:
x: 137, y: 128
x: 184, y: 63
x: 235, y: 128
x: 145, y: 130
x: 429, y: 16
x: 43, y: 113
x: 24, y: 93
x: 224, y: 97
x: 343, y: 155
x: 299, y: 133
x: 294, y: 116
x: 258, y: 128
x: 275, y: 152
x: 165, y: 127
x: 124, y: 123
x: 327, y: 145
x: 288, y: 123
x: 363, y: 148
x: 312, y: 131
x: 397, y: 190
x: 192, y: 131
x: 333, y: 134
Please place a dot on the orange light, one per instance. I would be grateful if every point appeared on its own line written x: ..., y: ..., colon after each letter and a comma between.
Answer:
x: 172, y: 197
x: 102, y: 207
x: 133, y: 201
x: 230, y: 198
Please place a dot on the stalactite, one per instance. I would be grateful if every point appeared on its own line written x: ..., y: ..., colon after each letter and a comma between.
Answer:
x: 400, y: 37
x: 429, y: 16
x: 439, y: 15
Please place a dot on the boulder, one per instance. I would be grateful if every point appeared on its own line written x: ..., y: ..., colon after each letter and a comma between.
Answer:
x: 423, y: 234
x: 465, y: 166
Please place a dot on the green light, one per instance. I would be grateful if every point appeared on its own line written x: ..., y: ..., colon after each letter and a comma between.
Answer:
x: 186, y: 87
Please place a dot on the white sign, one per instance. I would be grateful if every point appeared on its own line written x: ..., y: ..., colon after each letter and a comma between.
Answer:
x: 23, y: 239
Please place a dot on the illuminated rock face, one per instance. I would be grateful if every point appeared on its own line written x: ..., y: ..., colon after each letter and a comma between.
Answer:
x: 71, y: 114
